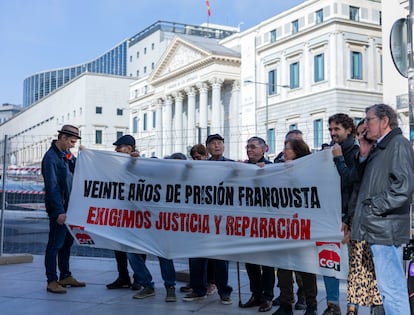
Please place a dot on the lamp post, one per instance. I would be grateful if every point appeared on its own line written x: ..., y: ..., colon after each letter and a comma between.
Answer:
x: 267, y: 102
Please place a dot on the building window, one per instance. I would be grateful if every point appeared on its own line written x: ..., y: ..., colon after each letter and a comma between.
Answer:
x: 354, y: 13
x: 145, y: 121
x: 130, y: 58
x: 380, y: 18
x: 98, y: 109
x: 145, y: 69
x: 319, y: 69
x: 98, y: 136
x: 271, y: 138
x: 272, y: 82
x: 317, y: 133
x: 154, y: 119
x: 294, y: 75
x: 145, y: 50
x: 119, y: 134
x: 137, y: 54
x: 152, y: 46
x: 135, y: 125
x: 293, y: 127
x: 137, y: 73
x: 319, y: 16
x: 295, y: 26
x: 356, y: 65
x: 273, y: 36
x: 119, y: 111
x: 152, y: 66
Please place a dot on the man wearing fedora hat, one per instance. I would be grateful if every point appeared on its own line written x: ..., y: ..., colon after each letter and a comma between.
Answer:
x: 58, y: 165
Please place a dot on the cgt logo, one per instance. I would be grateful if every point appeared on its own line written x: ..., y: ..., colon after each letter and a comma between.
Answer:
x: 80, y: 234
x: 329, y: 255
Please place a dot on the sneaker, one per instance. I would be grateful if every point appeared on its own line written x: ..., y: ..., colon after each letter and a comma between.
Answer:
x: 186, y: 289
x: 310, y: 310
x: 136, y: 286
x: 332, y: 309
x: 144, y: 293
x: 353, y: 309
x: 72, y: 282
x: 119, y: 284
x: 170, y: 295
x: 284, y: 309
x: 55, y: 287
x: 211, y: 289
x: 194, y: 297
x: 301, y: 303
x: 226, y: 299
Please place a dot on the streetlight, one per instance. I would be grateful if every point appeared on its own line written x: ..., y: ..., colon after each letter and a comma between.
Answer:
x: 267, y: 101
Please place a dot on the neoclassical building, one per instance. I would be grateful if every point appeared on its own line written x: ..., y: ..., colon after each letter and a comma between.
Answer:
x: 193, y: 91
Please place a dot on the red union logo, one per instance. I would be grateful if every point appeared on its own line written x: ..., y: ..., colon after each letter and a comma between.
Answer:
x: 84, y: 239
x: 329, y: 255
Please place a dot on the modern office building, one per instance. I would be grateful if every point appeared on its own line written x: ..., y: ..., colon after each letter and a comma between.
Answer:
x: 291, y: 71
x: 133, y: 57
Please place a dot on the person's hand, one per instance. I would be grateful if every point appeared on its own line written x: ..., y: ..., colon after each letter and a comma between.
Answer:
x: 61, y: 218
x: 135, y: 154
x: 336, y: 150
x: 347, y: 233
x: 81, y: 147
x: 260, y: 164
x: 364, y: 147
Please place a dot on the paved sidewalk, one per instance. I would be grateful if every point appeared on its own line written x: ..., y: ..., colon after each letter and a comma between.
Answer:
x: 23, y: 291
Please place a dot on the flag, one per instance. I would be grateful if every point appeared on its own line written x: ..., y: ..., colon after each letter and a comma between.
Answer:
x: 208, y: 8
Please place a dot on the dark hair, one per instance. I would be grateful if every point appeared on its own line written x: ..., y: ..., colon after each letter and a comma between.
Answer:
x: 299, y: 147
x: 344, y: 120
x: 177, y: 156
x: 293, y: 131
x: 198, y: 148
x: 383, y: 110
x: 261, y: 141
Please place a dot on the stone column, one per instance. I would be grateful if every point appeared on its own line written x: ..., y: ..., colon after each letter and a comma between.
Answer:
x: 167, y: 134
x: 203, y: 119
x: 216, y: 121
x: 159, y: 128
x: 191, y: 93
x: 178, y: 126
x: 236, y: 143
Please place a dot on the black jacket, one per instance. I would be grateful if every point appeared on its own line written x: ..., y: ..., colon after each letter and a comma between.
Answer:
x: 382, y: 213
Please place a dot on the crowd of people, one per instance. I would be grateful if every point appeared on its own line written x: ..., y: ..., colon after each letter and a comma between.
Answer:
x: 375, y: 163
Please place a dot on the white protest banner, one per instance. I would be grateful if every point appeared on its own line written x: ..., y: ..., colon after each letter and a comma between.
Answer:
x: 286, y: 215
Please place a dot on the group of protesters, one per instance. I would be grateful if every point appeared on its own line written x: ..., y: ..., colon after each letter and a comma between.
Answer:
x: 375, y: 163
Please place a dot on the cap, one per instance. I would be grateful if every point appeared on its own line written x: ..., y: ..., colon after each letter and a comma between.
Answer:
x: 125, y: 139
x: 213, y: 137
x: 70, y: 130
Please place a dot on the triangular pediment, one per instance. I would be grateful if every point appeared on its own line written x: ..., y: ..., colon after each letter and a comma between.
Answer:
x: 179, y: 55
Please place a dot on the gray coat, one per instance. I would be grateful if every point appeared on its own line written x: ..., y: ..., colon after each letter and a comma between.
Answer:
x: 382, y: 214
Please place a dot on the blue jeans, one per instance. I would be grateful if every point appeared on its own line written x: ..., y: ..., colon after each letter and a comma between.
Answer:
x: 198, y: 276
x: 143, y: 276
x: 332, y: 289
x: 391, y: 280
x: 58, y: 247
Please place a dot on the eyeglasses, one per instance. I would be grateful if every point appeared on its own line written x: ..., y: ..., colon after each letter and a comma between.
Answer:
x: 252, y: 147
x: 368, y: 119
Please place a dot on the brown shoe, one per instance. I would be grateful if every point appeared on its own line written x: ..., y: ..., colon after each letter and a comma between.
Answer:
x: 55, y: 287
x: 71, y: 281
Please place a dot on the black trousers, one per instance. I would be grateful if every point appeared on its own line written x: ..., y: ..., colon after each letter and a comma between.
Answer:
x: 310, y: 290
x: 262, y: 281
x: 122, y: 264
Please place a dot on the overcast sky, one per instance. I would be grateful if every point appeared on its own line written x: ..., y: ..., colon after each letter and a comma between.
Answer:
x: 38, y: 35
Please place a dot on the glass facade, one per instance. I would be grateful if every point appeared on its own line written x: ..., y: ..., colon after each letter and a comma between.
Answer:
x: 41, y: 84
